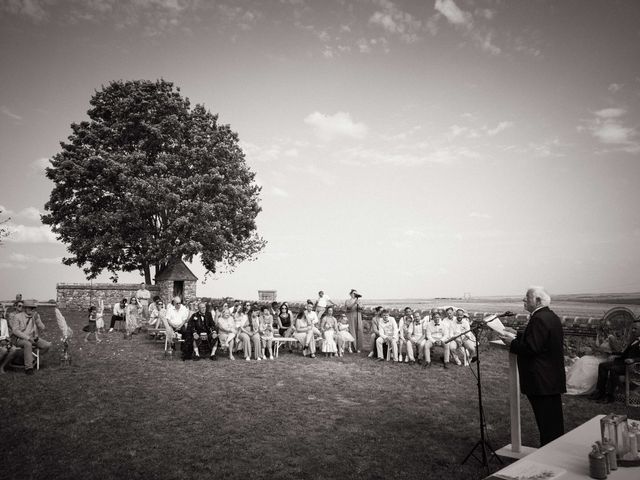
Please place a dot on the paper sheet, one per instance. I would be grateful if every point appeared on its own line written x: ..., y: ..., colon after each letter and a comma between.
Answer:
x: 529, y: 470
x: 495, y: 324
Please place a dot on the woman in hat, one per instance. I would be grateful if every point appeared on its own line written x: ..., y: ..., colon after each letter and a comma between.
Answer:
x: 354, y: 315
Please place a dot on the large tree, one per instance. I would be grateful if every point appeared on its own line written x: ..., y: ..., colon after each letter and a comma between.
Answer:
x: 147, y: 179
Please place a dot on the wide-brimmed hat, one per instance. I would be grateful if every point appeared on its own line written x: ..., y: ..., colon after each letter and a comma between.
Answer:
x: 29, y: 304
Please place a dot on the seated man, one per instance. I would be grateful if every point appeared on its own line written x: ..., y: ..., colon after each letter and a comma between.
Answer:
x: 119, y: 313
x: 176, y: 319
x: 388, y: 329
x: 417, y: 338
x: 200, y: 328
x: 608, y: 372
x: 404, y: 332
x: 437, y: 333
x: 25, y: 327
x: 465, y: 343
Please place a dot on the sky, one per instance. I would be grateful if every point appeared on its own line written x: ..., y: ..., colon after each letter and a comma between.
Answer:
x: 408, y: 149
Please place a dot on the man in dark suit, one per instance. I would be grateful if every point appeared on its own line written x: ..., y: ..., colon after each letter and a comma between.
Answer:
x: 609, y: 372
x: 540, y: 354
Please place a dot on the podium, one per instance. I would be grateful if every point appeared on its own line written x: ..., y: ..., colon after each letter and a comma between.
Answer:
x: 515, y: 449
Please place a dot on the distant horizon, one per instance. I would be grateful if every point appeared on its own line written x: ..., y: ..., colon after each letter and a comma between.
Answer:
x: 514, y: 297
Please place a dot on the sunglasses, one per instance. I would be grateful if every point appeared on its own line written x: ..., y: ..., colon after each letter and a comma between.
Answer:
x: 19, y: 306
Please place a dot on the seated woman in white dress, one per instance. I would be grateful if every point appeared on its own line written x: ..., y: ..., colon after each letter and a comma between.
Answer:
x: 306, y: 332
x: 226, y: 330
x: 329, y: 328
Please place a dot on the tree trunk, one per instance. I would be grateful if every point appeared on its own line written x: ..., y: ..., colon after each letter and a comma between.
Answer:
x: 147, y: 274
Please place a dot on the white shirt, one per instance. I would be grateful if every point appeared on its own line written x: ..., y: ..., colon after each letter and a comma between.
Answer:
x: 322, y: 301
x: 388, y: 329
x: 179, y: 317
x: 438, y: 332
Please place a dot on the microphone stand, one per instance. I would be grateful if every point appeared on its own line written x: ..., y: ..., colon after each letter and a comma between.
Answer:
x: 486, y: 450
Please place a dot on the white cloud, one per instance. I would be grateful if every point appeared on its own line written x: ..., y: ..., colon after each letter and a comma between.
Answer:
x: 32, y: 9
x: 21, y: 258
x: 278, y: 192
x: 615, y: 87
x: 330, y: 127
x: 25, y: 234
x: 396, y: 22
x: 452, y: 13
x: 612, y: 133
x: 410, y: 156
x: 12, y: 266
x: 5, y: 111
x: 30, y: 213
x: 499, y: 128
x: 607, y: 126
x: 610, y: 112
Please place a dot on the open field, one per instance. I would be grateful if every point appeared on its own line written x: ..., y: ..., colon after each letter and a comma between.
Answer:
x: 593, y: 305
x: 122, y: 410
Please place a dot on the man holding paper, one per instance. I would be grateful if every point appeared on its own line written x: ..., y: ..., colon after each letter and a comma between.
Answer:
x: 541, y: 363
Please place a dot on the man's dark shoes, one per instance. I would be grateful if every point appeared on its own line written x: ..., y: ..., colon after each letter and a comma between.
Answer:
x: 445, y: 365
x: 29, y: 371
x: 196, y: 358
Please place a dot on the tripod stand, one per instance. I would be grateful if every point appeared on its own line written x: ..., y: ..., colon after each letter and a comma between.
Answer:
x: 486, y: 450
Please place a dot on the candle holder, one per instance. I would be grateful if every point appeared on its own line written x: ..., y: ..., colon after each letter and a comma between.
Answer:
x: 631, y: 458
x: 615, y: 430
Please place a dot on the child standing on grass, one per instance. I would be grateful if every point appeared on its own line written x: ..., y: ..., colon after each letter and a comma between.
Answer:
x: 329, y: 327
x: 100, y: 317
x: 344, y: 336
x: 266, y: 331
x: 93, y: 316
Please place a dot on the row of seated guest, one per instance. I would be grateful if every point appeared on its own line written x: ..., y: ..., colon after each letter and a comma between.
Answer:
x: 249, y: 328
x: 416, y: 336
x: 20, y: 333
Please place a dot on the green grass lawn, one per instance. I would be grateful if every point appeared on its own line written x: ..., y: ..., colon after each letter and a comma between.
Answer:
x: 123, y: 411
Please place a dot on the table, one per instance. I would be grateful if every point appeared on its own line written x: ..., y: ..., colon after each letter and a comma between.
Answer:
x: 571, y: 451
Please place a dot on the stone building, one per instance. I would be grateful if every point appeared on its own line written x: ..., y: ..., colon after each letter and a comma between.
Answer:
x: 267, y: 295
x: 176, y: 280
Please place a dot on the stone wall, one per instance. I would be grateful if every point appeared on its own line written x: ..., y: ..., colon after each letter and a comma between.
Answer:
x: 78, y: 296
x: 166, y: 291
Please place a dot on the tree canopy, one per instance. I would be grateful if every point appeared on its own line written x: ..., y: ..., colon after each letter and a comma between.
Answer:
x: 4, y: 231
x: 148, y: 178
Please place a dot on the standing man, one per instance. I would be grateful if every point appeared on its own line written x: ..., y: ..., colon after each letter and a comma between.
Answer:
x: 541, y: 363
x: 143, y: 296
x: 322, y: 303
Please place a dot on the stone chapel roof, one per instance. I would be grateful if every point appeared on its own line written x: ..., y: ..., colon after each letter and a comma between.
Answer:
x: 176, y: 270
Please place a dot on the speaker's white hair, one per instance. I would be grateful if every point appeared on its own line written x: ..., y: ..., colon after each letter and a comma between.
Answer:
x: 539, y: 293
